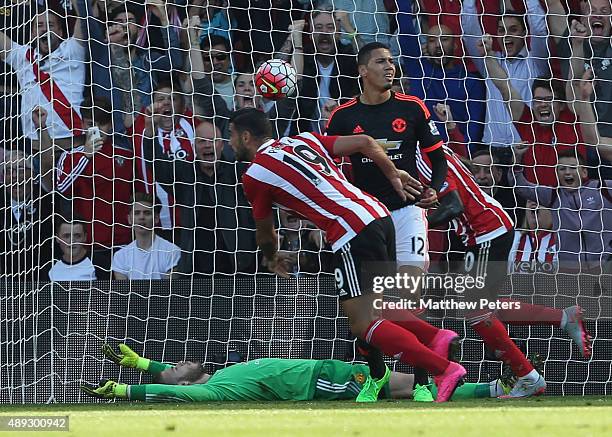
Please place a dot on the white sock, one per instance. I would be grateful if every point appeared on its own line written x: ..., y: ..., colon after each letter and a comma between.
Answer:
x: 532, y: 376
x: 496, y: 389
x: 563, y: 320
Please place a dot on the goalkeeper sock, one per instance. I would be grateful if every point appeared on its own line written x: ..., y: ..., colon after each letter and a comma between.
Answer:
x: 469, y: 390
x: 424, y: 331
x: 529, y: 314
x: 395, y: 341
x: 374, y: 357
x: 495, y: 336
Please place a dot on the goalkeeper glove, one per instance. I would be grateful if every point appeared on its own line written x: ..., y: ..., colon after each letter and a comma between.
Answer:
x: 126, y: 357
x: 106, y: 390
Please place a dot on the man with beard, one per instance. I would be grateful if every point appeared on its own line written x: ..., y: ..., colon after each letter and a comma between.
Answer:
x: 174, y: 131
x: 329, y: 72
x: 123, y: 72
x: 299, y: 174
x: 521, y: 63
x: 438, y: 76
x: 51, y: 74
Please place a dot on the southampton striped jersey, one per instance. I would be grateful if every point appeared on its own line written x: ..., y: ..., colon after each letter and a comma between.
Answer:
x: 483, y: 218
x: 534, y: 252
x: 299, y: 174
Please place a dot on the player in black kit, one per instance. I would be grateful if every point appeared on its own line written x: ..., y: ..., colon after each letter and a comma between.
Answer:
x: 401, y: 123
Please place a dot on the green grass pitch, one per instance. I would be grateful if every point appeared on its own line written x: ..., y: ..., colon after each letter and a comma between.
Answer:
x: 545, y: 416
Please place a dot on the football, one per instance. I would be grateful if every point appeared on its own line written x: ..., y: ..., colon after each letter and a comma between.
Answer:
x: 276, y: 79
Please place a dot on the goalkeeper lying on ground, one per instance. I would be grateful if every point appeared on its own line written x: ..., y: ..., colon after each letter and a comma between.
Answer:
x: 267, y: 379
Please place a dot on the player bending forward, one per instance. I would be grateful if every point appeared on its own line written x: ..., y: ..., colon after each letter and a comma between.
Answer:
x: 268, y: 379
x: 488, y: 233
x: 298, y: 174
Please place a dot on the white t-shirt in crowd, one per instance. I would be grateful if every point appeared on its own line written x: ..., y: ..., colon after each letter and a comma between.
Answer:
x: 154, y: 263
x: 66, y: 65
x: 81, y: 271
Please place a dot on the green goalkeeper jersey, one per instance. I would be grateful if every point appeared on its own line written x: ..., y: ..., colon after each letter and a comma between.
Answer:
x: 259, y: 380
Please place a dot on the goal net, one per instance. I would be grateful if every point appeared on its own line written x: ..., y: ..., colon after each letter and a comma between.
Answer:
x: 115, y: 120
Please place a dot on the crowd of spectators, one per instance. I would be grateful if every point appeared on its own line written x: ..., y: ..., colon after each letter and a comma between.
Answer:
x: 114, y: 113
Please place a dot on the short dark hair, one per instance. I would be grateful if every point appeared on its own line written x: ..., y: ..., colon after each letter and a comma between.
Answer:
x: 140, y: 197
x: 514, y: 14
x: 572, y: 153
x: 69, y: 219
x: 128, y: 8
x: 252, y: 120
x: 99, y: 111
x: 552, y: 84
x: 216, y: 40
x: 365, y: 53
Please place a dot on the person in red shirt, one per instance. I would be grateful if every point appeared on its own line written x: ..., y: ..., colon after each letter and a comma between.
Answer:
x: 99, y: 178
x: 547, y: 129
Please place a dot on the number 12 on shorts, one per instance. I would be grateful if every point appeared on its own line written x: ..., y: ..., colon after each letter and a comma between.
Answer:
x: 418, y: 245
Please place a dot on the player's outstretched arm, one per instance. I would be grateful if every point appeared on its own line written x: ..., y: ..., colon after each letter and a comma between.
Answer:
x: 153, y: 392
x: 126, y: 357
x: 406, y: 186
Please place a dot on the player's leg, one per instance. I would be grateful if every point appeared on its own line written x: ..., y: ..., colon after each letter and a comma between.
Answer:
x: 362, y: 308
x: 485, y: 261
x: 412, y: 254
x: 413, y: 260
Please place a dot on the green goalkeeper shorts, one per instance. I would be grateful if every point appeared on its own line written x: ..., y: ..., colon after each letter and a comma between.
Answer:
x: 340, y: 380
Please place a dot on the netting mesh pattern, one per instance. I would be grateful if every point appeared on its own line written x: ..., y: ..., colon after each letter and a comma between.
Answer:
x: 156, y: 83
x: 52, y: 333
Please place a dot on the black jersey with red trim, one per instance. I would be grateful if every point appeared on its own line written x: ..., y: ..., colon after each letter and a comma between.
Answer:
x: 402, y: 124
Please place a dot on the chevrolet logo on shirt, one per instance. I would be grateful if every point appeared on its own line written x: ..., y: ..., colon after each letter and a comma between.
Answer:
x: 388, y: 145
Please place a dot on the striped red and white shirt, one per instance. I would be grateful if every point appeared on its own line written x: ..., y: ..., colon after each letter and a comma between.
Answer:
x: 483, y: 218
x: 299, y: 174
x: 55, y: 84
x: 534, y: 252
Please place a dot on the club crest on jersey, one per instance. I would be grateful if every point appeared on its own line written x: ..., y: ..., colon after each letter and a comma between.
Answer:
x: 360, y: 378
x: 399, y: 125
x: 358, y: 130
x: 120, y: 160
x: 433, y: 128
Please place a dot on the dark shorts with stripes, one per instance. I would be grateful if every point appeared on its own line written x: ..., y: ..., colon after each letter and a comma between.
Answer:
x: 372, y: 251
x: 490, y: 259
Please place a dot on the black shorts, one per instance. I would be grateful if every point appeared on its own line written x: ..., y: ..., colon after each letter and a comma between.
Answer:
x: 372, y: 248
x: 490, y: 260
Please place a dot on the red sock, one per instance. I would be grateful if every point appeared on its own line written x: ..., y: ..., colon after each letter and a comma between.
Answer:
x: 529, y: 314
x: 495, y: 336
x: 408, y: 320
x: 394, y: 340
